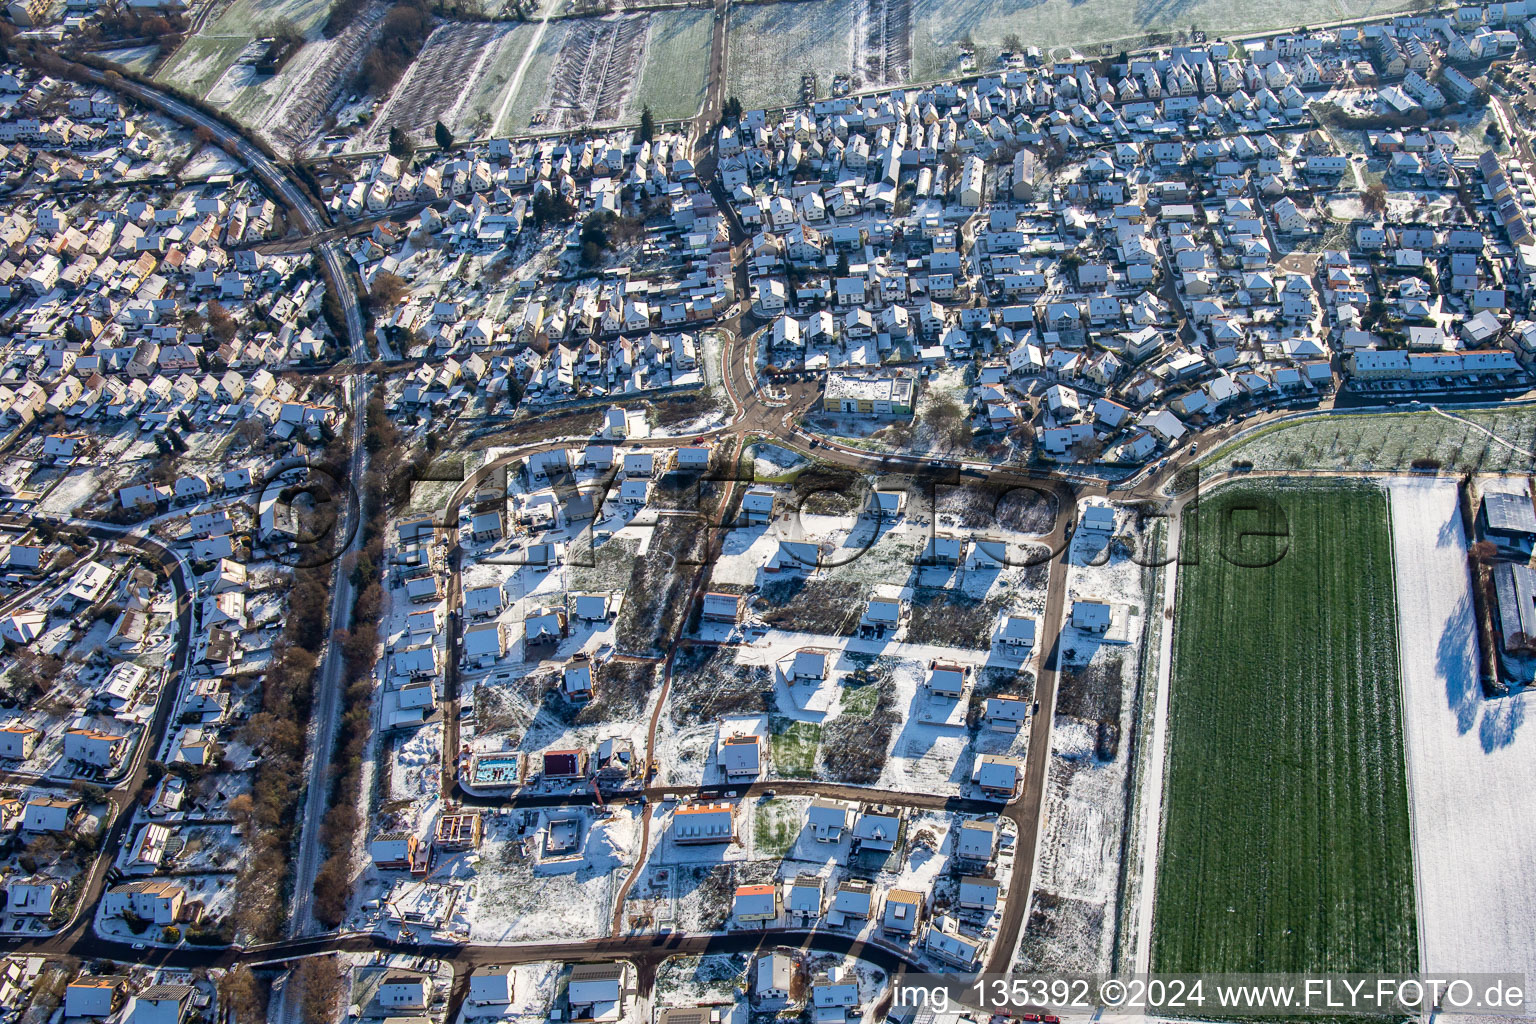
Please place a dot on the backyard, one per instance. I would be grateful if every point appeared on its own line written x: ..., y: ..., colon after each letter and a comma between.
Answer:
x: 1286, y: 840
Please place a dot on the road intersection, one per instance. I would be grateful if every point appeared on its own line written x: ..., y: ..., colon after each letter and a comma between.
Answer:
x: 755, y: 415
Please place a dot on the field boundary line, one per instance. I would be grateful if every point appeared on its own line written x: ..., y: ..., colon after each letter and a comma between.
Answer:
x: 1127, y: 903
x: 1157, y: 761
x: 1402, y: 715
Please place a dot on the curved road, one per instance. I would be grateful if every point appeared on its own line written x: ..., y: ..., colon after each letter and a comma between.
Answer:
x: 326, y: 710
x: 754, y: 415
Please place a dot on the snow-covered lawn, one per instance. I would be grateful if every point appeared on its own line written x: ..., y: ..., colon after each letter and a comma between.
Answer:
x: 522, y: 896
x: 1471, y: 761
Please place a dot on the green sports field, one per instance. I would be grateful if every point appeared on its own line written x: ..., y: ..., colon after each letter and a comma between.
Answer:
x: 1286, y: 841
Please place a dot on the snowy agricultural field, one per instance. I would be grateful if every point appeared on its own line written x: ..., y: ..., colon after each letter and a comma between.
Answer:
x: 939, y: 25
x: 202, y: 61
x: 771, y: 45
x: 133, y: 58
x: 438, y: 85
x: 527, y: 69
x: 199, y: 63
x: 672, y: 79
x: 481, y: 101
x: 1471, y: 760
x: 1471, y: 440
x: 598, y: 70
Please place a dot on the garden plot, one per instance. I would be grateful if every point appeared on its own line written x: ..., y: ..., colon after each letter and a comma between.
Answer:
x: 772, y: 45
x: 438, y: 83
x: 884, y: 42
x: 594, y: 72
x: 215, y: 893
x: 298, y: 96
x: 874, y: 732
x: 528, y: 83
x: 695, y: 980
x: 1471, y: 761
x: 1286, y: 843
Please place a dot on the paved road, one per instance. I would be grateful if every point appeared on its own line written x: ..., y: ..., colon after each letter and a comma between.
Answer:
x: 774, y: 417
x: 125, y: 793
x: 310, y: 220
x: 330, y: 683
x: 714, y: 92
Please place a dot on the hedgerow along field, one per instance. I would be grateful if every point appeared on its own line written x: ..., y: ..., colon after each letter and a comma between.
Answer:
x: 1286, y: 838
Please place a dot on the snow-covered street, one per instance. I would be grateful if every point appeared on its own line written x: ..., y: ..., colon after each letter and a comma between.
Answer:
x: 1471, y: 761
